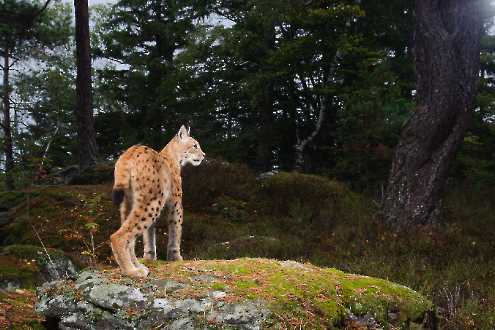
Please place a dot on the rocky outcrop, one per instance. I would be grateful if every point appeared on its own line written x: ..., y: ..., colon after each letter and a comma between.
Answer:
x: 23, y: 266
x: 233, y: 294
x: 94, y: 301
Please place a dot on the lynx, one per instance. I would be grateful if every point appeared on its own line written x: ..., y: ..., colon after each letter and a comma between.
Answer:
x: 146, y: 182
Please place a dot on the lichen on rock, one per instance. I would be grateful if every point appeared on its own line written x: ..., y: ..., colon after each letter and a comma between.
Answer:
x: 235, y: 294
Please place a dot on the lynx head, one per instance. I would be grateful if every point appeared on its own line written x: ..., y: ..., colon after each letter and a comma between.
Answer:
x: 190, y: 150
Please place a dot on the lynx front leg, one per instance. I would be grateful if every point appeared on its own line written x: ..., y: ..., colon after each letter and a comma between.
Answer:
x: 174, y: 230
x: 149, y: 241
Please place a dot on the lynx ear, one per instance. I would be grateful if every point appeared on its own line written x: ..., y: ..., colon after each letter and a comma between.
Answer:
x: 183, y: 133
x: 189, y: 130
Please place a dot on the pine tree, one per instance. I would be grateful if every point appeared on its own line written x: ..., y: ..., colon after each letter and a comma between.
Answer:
x: 22, y: 28
x: 447, y: 54
x: 83, y: 110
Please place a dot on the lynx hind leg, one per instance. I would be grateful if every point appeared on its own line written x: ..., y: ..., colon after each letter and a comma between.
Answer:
x: 123, y: 242
x: 120, y: 242
x: 149, y: 242
x: 175, y: 217
x: 132, y: 253
x: 152, y: 210
x: 125, y: 208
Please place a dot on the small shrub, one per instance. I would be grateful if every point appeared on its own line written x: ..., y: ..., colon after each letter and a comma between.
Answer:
x: 246, y: 246
x: 10, y: 199
x: 30, y: 251
x: 101, y: 173
x: 313, y: 197
x: 204, y: 184
x: 230, y: 208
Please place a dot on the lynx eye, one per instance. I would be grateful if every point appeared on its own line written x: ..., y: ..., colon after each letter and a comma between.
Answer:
x: 195, y: 146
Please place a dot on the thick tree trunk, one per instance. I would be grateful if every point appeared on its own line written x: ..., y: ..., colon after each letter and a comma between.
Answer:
x: 83, y: 110
x: 264, y: 152
x: 7, y: 129
x: 264, y: 157
x: 447, y: 62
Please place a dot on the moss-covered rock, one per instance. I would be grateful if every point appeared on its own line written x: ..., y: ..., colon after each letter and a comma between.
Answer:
x: 31, y: 264
x: 242, y: 293
x: 15, y: 274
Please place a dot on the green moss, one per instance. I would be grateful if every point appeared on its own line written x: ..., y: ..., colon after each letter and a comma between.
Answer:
x: 20, y: 307
x: 31, y: 325
x: 30, y: 251
x: 20, y: 263
x: 9, y: 199
x: 219, y: 286
x: 26, y: 276
x: 318, y: 297
x: 245, y: 284
x: 333, y: 310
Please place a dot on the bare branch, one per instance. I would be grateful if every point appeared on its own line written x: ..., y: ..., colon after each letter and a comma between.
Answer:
x: 301, y: 145
x: 49, y: 145
x: 43, y: 245
x: 42, y: 9
x: 321, y: 117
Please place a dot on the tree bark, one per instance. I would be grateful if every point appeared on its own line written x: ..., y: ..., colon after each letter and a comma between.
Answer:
x: 83, y: 111
x: 6, y: 126
x: 264, y: 156
x: 447, y: 36
x: 301, y: 145
x: 264, y: 152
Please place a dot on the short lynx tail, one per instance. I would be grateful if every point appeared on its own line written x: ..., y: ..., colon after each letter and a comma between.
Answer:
x: 117, y: 196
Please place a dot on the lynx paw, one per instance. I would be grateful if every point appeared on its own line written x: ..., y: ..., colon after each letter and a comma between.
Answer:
x: 176, y: 257
x: 140, y: 272
x: 149, y: 256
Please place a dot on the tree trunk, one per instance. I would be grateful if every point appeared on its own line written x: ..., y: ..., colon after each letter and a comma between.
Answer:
x: 301, y: 145
x: 264, y: 156
x: 7, y: 130
x: 264, y: 152
x: 447, y: 62
x: 83, y: 110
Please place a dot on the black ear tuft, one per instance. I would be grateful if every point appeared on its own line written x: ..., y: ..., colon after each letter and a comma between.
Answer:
x: 118, y: 196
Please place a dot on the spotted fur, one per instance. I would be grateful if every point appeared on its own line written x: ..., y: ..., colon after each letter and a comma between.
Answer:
x: 146, y: 182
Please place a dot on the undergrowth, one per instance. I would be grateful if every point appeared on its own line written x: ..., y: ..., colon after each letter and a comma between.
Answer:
x: 229, y: 213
